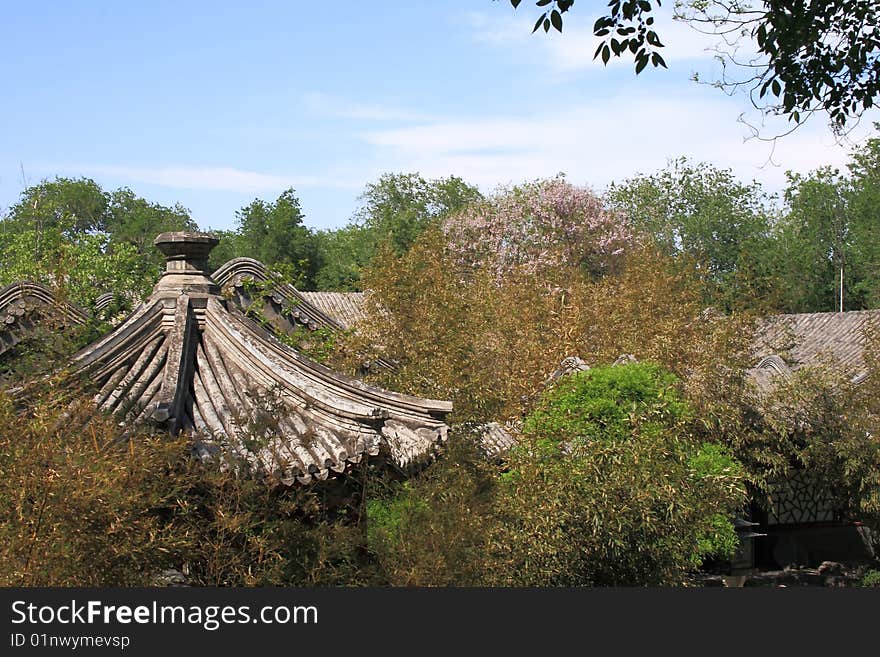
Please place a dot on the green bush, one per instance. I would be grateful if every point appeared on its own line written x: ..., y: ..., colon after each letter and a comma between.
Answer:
x: 871, y: 579
x: 610, y: 488
x: 605, y: 403
x: 433, y: 530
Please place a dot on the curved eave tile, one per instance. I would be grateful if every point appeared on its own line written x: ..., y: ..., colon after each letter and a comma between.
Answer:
x: 341, y: 417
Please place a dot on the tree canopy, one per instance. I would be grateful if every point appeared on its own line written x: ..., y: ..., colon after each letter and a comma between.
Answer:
x: 706, y: 214
x: 784, y: 253
x: 394, y: 211
x: 71, y: 234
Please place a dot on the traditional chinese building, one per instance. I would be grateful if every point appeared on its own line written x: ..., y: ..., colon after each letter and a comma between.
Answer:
x: 187, y: 359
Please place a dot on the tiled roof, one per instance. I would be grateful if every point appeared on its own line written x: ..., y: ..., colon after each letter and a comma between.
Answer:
x: 785, y: 343
x: 347, y: 308
x: 188, y: 360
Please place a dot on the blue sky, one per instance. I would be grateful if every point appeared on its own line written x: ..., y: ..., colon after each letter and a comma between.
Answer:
x: 214, y: 104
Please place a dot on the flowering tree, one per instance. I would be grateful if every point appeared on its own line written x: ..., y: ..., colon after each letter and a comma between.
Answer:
x: 536, y: 226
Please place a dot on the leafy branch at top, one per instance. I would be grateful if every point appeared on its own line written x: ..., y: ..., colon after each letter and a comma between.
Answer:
x: 627, y: 27
x: 793, y: 57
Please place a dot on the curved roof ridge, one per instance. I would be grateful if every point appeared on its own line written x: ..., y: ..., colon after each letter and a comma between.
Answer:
x: 20, y: 299
x: 24, y: 289
x: 290, y: 300
x: 774, y: 362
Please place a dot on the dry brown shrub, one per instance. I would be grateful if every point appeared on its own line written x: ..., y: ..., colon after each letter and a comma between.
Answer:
x: 82, y: 506
x: 490, y: 344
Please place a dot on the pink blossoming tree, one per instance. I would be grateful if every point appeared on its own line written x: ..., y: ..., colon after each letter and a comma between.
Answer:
x: 535, y: 226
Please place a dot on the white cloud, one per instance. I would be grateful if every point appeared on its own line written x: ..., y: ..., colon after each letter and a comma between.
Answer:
x: 320, y: 103
x: 203, y: 178
x: 210, y: 178
x: 602, y: 142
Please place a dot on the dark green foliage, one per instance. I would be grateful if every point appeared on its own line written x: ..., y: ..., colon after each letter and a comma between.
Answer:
x: 819, y: 55
x: 344, y: 253
x: 73, y: 205
x: 755, y: 254
x: 814, y: 244
x: 864, y: 239
x: 822, y: 55
x: 395, y: 210
x: 831, y: 225
x: 136, y: 221
x: 399, y: 206
x: 226, y: 250
x: 274, y: 234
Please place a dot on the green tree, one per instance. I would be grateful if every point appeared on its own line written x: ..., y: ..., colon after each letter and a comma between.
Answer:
x: 80, y: 268
x: 814, y: 242
x: 274, y: 234
x: 77, y: 205
x: 829, y: 235
x: 136, y: 221
x: 344, y: 252
x: 609, y: 488
x: 228, y: 248
x: 708, y: 215
x: 399, y: 205
x: 864, y: 207
x: 394, y: 210
x: 70, y: 234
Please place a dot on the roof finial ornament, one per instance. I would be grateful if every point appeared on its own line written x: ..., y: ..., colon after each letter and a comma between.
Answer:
x: 186, y: 263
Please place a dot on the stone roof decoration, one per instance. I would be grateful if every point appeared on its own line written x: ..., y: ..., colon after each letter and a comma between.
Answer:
x: 494, y: 440
x: 189, y: 360
x: 569, y: 365
x: 785, y: 343
x: 104, y: 301
x: 24, y: 305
